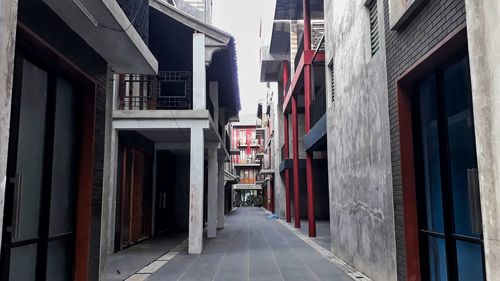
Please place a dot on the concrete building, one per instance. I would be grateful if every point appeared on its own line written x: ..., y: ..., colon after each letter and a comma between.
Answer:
x: 359, y: 155
x: 294, y: 58
x: 168, y: 143
x: 441, y: 111
x: 411, y: 141
x: 57, y: 60
x: 247, y: 142
x: 266, y: 113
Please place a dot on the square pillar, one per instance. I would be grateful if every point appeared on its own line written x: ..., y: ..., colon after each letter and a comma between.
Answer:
x: 199, y: 72
x: 213, y: 92
x: 8, y: 25
x: 196, y: 174
x: 221, y: 194
x: 212, y: 190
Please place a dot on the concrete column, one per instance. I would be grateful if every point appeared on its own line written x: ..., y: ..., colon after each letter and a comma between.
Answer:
x: 196, y: 174
x: 213, y: 92
x: 483, y: 29
x: 212, y: 190
x: 221, y: 198
x: 199, y: 72
x: 8, y: 23
x: 108, y: 189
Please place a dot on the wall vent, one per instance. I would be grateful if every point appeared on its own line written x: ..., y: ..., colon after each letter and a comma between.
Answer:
x: 332, y: 79
x: 374, y: 36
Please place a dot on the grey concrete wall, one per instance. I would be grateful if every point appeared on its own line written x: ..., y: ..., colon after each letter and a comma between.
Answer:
x: 279, y: 185
x: 359, y: 159
x: 8, y: 23
x: 301, y: 130
x: 483, y: 31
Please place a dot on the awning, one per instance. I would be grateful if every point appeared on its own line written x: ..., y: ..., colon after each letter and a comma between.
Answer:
x: 106, y: 28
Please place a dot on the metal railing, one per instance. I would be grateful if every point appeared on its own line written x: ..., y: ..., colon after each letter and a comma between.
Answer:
x: 317, y: 108
x: 167, y: 90
x: 317, y: 32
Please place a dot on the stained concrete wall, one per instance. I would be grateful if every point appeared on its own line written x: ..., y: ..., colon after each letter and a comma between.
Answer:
x: 359, y: 159
x: 8, y: 23
x: 483, y: 30
x: 279, y: 184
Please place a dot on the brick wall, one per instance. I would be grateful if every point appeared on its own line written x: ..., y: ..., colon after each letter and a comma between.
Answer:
x: 405, y: 47
x: 45, y: 23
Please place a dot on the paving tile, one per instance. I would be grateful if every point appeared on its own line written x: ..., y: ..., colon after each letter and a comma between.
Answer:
x: 251, y: 248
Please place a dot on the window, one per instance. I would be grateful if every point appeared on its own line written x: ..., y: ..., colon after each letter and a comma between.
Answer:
x: 374, y: 36
x: 447, y: 182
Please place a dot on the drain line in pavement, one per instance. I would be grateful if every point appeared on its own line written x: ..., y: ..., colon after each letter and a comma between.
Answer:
x: 151, y: 268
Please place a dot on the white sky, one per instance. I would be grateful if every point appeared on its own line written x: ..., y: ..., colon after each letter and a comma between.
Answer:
x: 241, y: 18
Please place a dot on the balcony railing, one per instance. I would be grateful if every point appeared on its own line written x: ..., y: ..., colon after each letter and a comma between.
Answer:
x: 318, y: 106
x: 167, y: 90
x: 317, y: 31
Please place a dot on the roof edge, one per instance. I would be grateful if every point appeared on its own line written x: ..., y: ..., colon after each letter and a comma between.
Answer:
x: 190, y: 21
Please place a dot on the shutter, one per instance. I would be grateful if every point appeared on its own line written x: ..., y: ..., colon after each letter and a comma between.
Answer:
x: 374, y: 36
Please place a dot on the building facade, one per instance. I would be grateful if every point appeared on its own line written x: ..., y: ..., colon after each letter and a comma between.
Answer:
x: 410, y: 100
x: 168, y: 141
x: 57, y: 62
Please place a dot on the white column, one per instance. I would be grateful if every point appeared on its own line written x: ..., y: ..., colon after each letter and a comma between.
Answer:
x: 199, y: 73
x: 213, y: 91
x: 483, y: 29
x: 212, y: 191
x: 196, y: 174
x: 221, y: 196
x: 8, y: 24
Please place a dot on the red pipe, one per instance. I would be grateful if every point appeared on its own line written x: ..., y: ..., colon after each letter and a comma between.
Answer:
x: 288, y: 211
x: 307, y: 25
x: 295, y: 147
x: 311, y: 218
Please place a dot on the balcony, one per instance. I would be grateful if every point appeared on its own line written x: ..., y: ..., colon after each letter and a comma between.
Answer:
x: 317, y: 108
x: 317, y: 32
x: 169, y: 90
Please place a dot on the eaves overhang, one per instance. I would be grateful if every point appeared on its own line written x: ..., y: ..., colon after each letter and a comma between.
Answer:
x: 220, y: 55
x: 106, y: 28
x: 214, y: 36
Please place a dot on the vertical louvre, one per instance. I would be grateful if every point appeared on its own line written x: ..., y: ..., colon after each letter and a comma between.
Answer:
x: 374, y: 36
x: 332, y: 76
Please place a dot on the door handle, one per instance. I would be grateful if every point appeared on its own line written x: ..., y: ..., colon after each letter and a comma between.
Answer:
x: 18, y: 186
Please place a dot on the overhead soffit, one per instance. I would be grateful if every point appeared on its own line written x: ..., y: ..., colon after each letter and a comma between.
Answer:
x: 292, y: 9
x: 280, y: 38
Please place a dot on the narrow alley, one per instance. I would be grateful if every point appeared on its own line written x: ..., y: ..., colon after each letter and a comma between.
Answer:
x: 250, y: 247
x: 237, y: 140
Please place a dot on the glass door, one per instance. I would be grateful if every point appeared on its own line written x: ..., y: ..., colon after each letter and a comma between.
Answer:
x: 451, y: 244
x: 38, y: 237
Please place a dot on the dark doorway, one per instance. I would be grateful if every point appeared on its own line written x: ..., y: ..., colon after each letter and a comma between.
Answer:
x: 447, y: 186
x: 40, y: 209
x: 165, y: 191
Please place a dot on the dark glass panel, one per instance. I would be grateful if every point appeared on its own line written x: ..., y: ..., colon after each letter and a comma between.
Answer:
x: 461, y: 149
x: 430, y: 154
x: 470, y: 261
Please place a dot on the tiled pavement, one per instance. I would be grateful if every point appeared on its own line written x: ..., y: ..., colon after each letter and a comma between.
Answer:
x: 250, y: 247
